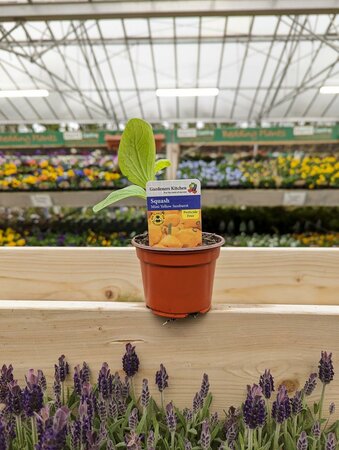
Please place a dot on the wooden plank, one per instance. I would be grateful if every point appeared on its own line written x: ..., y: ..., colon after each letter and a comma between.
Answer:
x: 243, y: 275
x: 210, y: 197
x: 233, y: 344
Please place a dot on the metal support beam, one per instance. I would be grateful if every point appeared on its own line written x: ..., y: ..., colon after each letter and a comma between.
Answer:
x: 167, y: 40
x: 58, y: 10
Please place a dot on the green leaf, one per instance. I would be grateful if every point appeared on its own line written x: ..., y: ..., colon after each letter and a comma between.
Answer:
x: 289, y: 442
x: 137, y: 152
x: 141, y: 424
x: 129, y: 191
x: 161, y: 164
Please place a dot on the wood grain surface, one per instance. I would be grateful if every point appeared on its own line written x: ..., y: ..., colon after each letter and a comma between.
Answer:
x: 261, y: 275
x: 233, y: 344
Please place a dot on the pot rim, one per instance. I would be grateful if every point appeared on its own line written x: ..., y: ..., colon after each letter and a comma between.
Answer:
x: 180, y: 250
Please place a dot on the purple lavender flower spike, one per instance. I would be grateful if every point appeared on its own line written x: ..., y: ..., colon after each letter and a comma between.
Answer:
x: 113, y: 409
x: 6, y: 376
x: 310, y: 384
x: 188, y: 445
x: 254, y: 408
x: 205, y: 386
x: 122, y: 407
x: 3, y: 441
x: 214, y: 419
x: 188, y: 414
x: 133, y: 419
x: 151, y: 441
x: 133, y: 441
x: 302, y: 443
x: 171, y: 418
x: 75, y: 433
x: 331, y: 442
x: 60, y: 419
x: 62, y: 368
x: 145, y: 395
x: 130, y: 361
x: 281, y: 409
x: 42, y: 380
x: 331, y: 408
x: 205, y: 437
x: 105, y: 382
x: 102, y: 411
x: 77, y: 380
x: 54, y: 436
x: 93, y: 440
x: 15, y: 398
x: 85, y: 374
x: 110, y: 445
x: 266, y: 383
x: 296, y: 402
x: 232, y: 434
x: 161, y: 378
x: 117, y: 386
x: 198, y: 402
x: 125, y: 388
x: 326, y: 371
x: 32, y: 395
x: 316, y: 430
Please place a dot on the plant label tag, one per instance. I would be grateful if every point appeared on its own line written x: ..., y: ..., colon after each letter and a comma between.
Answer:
x: 174, y: 213
x: 294, y: 198
x: 41, y: 200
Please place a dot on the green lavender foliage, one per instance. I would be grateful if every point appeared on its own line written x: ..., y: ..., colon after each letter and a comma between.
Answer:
x: 108, y: 414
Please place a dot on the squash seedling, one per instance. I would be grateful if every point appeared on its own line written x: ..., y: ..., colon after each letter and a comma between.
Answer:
x: 136, y: 158
x: 177, y: 259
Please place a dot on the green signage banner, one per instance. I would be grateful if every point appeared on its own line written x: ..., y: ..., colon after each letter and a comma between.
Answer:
x: 274, y: 134
x: 55, y: 139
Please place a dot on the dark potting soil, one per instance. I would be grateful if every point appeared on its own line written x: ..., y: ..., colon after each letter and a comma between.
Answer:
x: 207, y: 239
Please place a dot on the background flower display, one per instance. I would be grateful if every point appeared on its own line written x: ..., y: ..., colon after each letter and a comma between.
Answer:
x: 250, y: 227
x: 59, y: 171
x: 99, y: 170
x: 279, y: 171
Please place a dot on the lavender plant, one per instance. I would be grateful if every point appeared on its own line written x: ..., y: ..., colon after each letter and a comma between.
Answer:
x: 75, y: 414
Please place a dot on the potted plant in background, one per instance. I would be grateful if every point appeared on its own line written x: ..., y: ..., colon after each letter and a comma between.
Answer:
x: 178, y: 267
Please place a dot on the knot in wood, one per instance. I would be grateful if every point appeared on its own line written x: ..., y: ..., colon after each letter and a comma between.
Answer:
x: 291, y: 385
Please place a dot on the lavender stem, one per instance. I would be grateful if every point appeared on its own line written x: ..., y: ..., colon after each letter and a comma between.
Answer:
x: 132, y: 389
x: 19, y: 430
x: 268, y: 414
x: 162, y: 399
x: 295, y: 424
x: 259, y: 437
x: 172, y: 440
x: 250, y: 440
x: 34, y: 432
x: 321, y: 404
x: 276, y: 436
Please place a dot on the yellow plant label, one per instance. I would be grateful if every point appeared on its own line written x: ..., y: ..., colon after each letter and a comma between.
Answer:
x: 174, y: 213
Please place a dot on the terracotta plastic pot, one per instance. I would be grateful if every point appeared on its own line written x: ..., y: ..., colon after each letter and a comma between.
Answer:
x: 178, y: 281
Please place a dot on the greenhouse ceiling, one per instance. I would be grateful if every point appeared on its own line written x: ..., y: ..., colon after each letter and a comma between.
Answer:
x: 104, y: 62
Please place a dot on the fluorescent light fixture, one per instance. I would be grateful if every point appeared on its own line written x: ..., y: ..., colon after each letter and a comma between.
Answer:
x: 24, y: 93
x: 329, y: 89
x: 190, y: 92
